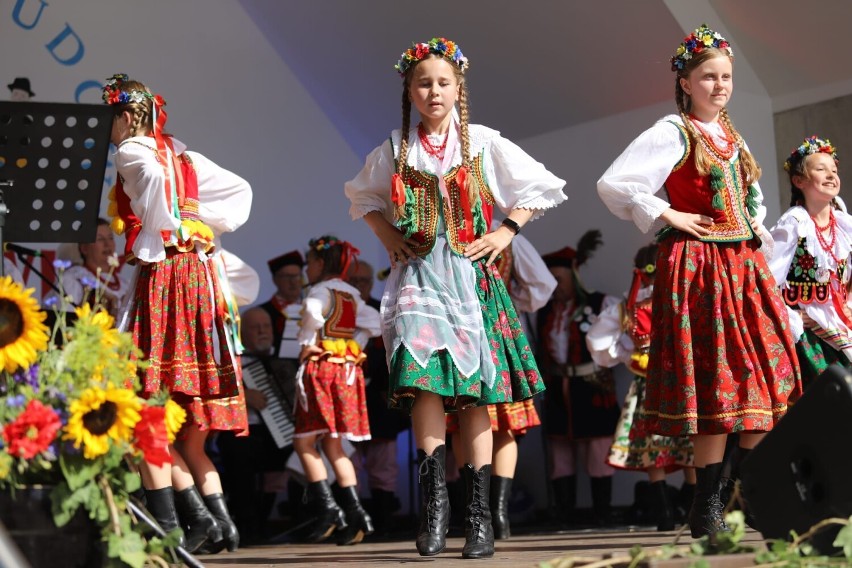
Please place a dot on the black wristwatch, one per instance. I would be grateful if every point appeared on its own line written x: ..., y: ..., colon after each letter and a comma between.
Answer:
x: 511, y: 225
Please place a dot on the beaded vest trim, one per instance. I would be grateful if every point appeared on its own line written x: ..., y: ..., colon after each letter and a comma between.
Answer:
x: 340, y: 322
x: 804, y: 285
x: 423, y: 199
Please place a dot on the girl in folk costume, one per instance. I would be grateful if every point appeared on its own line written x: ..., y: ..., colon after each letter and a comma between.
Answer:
x: 721, y: 358
x: 580, y: 406
x: 175, y: 313
x: 453, y: 338
x: 622, y: 334
x: 530, y: 284
x: 335, y: 326
x: 813, y: 241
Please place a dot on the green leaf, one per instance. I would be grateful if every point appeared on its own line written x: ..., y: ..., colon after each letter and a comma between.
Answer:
x: 78, y: 471
x: 128, y: 547
x: 844, y: 540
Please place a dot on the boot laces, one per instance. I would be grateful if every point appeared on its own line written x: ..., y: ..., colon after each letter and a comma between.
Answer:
x: 475, y: 510
x: 428, y: 473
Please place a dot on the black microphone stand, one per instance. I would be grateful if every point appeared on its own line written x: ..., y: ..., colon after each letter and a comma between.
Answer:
x: 3, y: 211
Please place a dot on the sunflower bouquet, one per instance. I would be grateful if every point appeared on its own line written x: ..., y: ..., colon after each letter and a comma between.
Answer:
x: 70, y: 419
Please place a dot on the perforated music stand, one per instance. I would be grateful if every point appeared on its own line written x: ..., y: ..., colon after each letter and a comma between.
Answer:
x: 54, y: 155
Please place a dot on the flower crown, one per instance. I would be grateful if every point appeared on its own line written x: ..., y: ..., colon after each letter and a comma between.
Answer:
x: 324, y: 243
x: 811, y: 145
x: 696, y: 42
x: 113, y: 95
x: 437, y: 45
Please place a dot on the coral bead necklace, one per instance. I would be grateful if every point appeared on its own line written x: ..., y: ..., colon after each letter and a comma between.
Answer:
x: 431, y: 149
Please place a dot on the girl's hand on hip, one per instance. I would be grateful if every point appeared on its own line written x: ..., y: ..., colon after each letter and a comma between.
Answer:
x: 398, y: 247
x: 693, y: 223
x: 490, y: 245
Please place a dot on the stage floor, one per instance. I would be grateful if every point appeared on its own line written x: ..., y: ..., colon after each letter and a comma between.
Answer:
x: 523, y: 550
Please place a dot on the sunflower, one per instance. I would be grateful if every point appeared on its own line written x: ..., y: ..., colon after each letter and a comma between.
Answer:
x: 101, y: 320
x: 175, y: 417
x: 22, y: 331
x: 101, y: 415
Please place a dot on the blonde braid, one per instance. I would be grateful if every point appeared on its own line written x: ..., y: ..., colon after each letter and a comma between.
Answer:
x: 467, y: 159
x: 748, y: 165
x: 702, y: 160
x: 141, y: 118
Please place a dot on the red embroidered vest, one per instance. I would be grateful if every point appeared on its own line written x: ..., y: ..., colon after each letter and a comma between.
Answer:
x: 340, y: 319
x: 692, y: 193
x: 637, y: 325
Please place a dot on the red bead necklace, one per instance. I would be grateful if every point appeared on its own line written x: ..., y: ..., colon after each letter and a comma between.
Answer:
x: 832, y: 228
x: 431, y: 149
x: 730, y: 144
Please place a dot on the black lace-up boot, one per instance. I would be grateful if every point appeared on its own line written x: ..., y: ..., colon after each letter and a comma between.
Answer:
x: 435, y: 504
x: 478, y: 533
x: 705, y: 517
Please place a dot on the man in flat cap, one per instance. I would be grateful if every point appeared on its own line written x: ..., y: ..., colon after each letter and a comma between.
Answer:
x: 284, y: 306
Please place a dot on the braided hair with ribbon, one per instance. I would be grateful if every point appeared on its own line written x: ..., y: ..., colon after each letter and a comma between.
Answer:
x: 148, y: 118
x: 337, y: 255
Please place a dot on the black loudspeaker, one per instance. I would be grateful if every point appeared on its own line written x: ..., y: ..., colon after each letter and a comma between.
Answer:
x: 801, y: 473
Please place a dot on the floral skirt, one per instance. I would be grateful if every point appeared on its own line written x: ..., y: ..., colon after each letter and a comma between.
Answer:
x: 514, y: 417
x: 635, y: 448
x: 722, y: 359
x: 330, y: 405
x: 517, y: 376
x: 815, y: 355
x: 174, y: 322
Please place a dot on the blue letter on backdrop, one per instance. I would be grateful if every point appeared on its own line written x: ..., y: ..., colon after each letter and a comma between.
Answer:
x: 16, y: 14
x: 74, y: 59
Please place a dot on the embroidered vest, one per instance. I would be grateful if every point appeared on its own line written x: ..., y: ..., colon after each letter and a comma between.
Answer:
x: 423, y: 202
x: 807, y: 282
x: 192, y: 229
x: 636, y: 323
x: 338, y: 331
x: 340, y: 319
x: 720, y: 196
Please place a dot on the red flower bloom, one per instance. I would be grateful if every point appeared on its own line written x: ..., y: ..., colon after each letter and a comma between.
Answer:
x: 421, y: 51
x: 32, y: 431
x: 151, y: 436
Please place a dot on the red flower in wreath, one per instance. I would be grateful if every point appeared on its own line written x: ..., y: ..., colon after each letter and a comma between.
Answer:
x: 151, y: 436
x: 32, y: 431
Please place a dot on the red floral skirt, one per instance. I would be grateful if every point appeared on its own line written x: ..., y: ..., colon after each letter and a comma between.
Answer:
x: 174, y: 322
x: 515, y: 417
x: 330, y: 405
x: 722, y: 358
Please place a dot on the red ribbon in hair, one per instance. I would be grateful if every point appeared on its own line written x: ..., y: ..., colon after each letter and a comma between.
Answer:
x: 635, y: 286
x: 397, y: 190
x: 348, y: 254
x: 164, y: 141
x: 465, y: 235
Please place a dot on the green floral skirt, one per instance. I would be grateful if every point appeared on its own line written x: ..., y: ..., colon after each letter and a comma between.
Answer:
x: 815, y: 355
x: 517, y: 376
